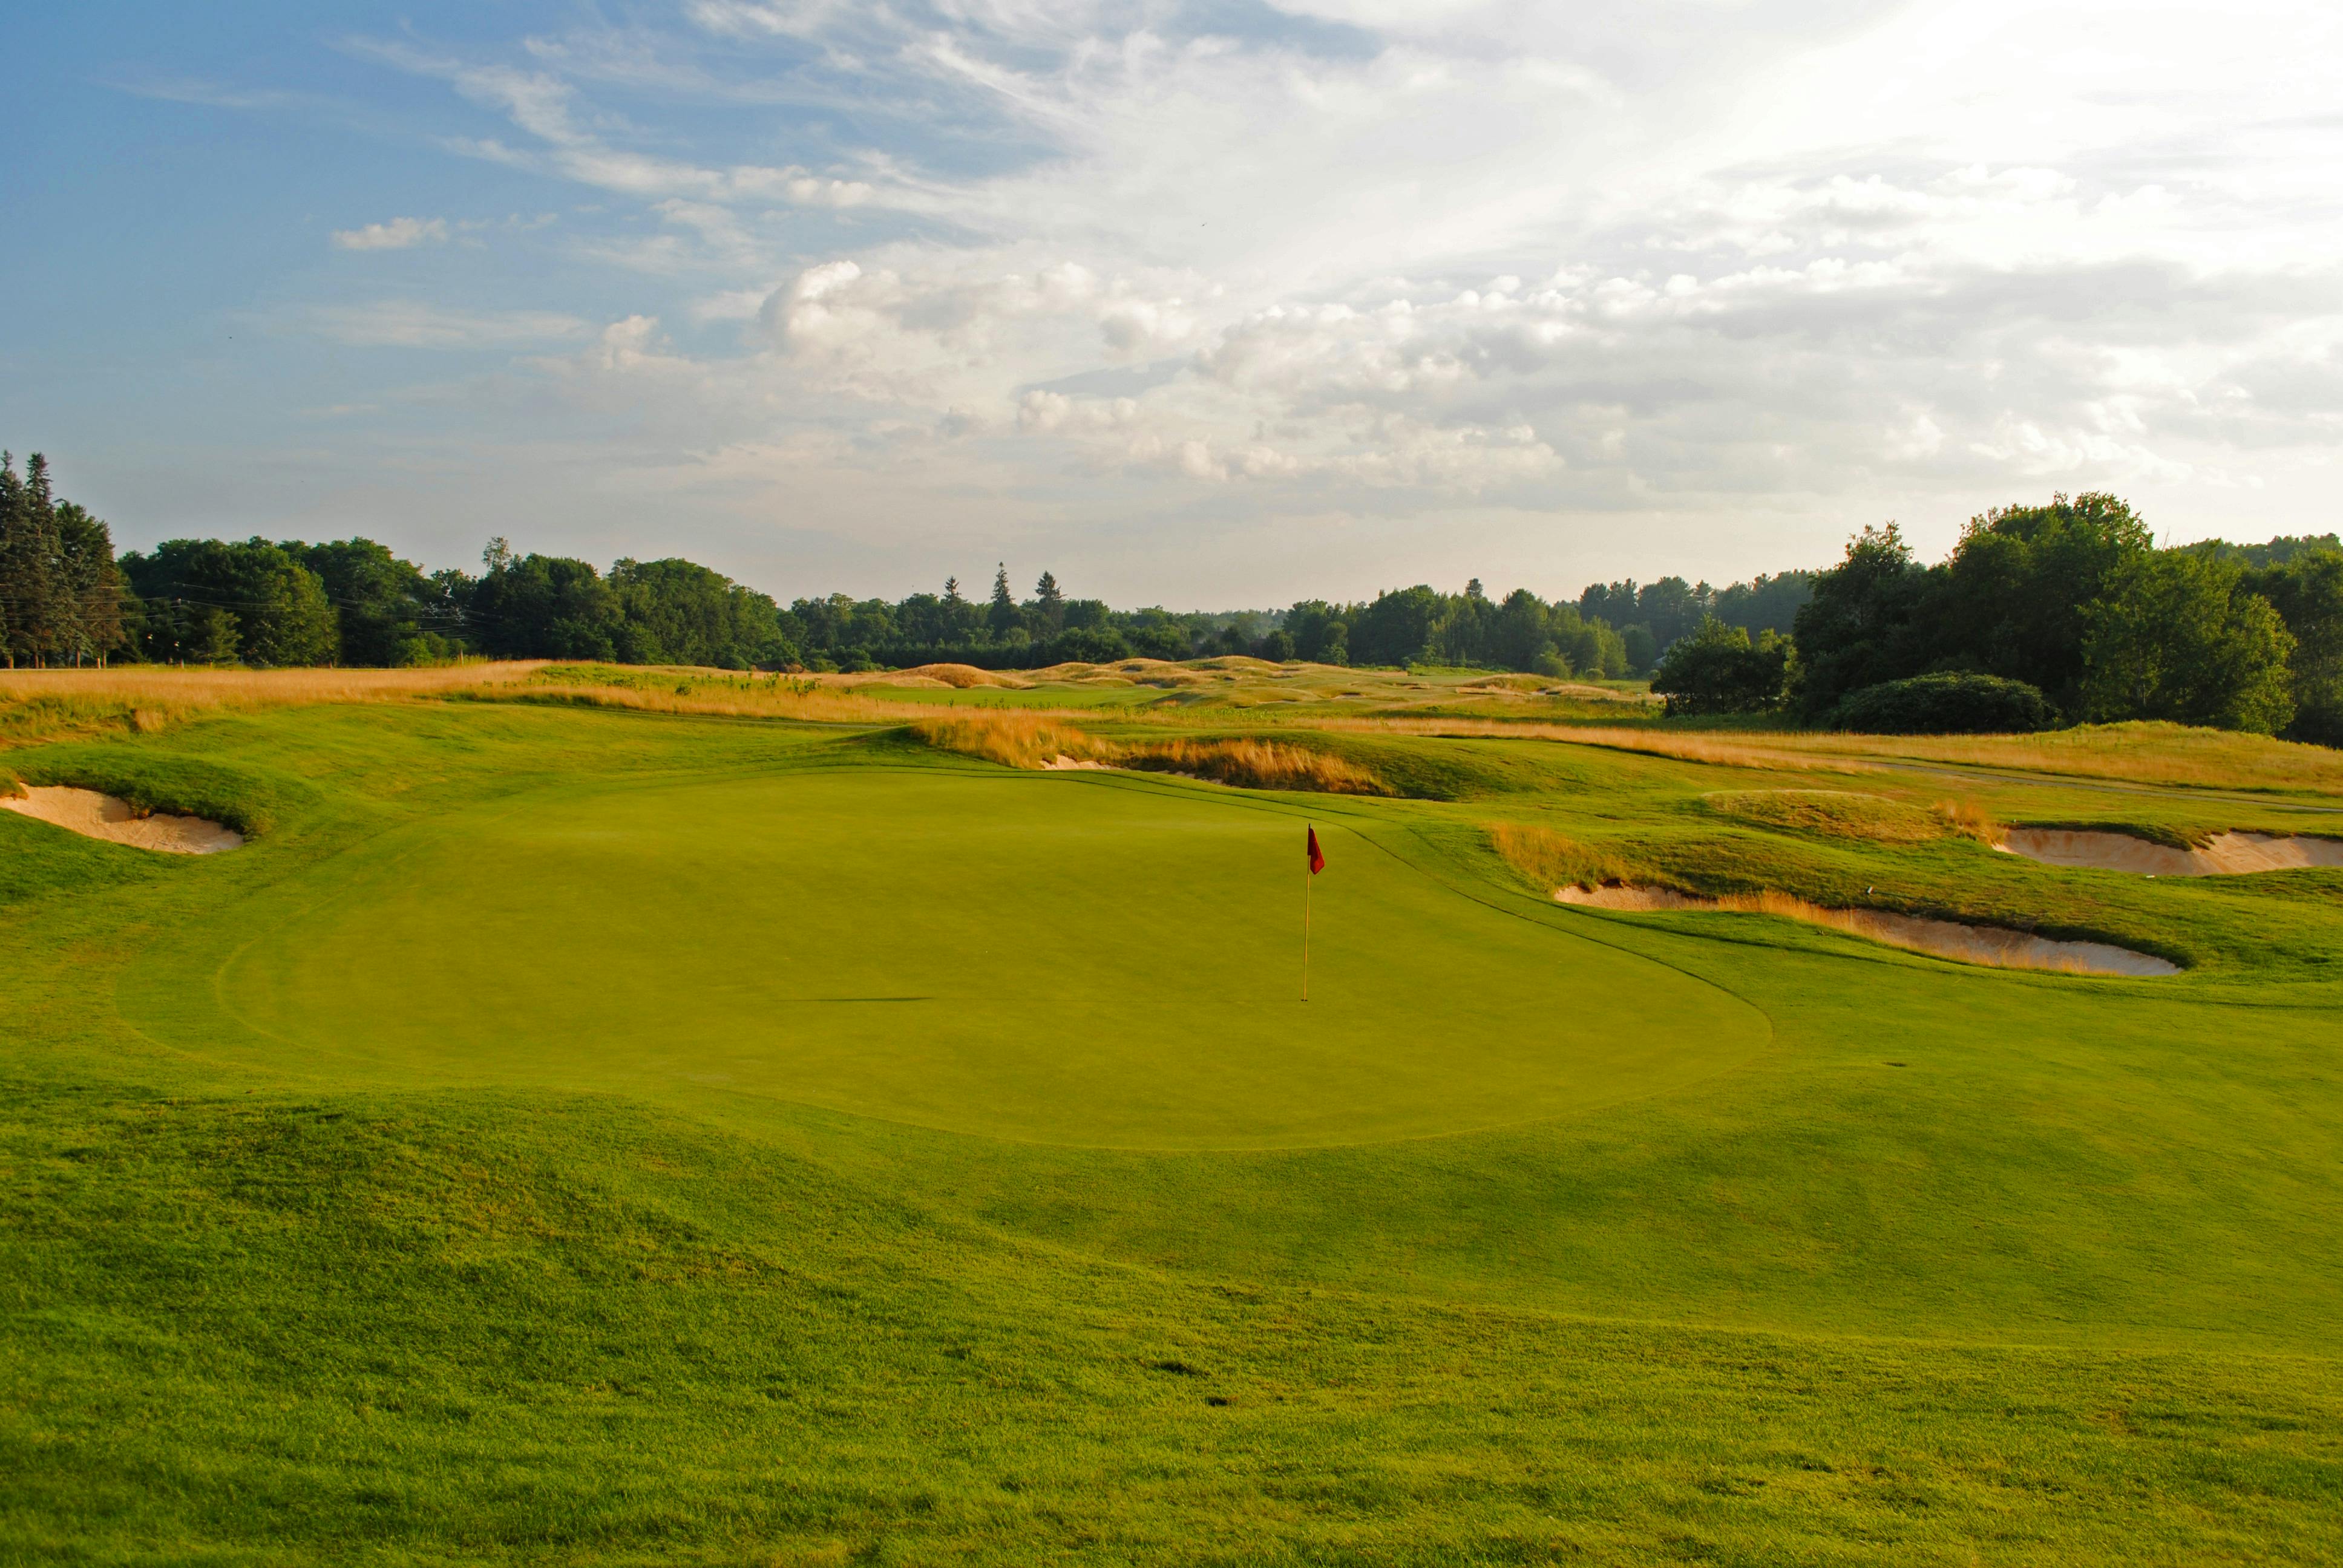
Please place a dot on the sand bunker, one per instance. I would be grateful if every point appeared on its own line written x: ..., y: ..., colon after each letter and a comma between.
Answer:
x: 1992, y: 945
x: 2230, y: 855
x: 97, y: 816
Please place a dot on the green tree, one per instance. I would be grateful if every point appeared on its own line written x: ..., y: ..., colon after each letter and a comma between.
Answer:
x: 2306, y: 588
x: 88, y: 576
x: 1641, y: 646
x: 1520, y: 632
x: 381, y: 603
x: 1719, y: 669
x: 1397, y: 627
x: 2176, y: 635
x: 678, y: 612
x: 1857, y: 628
x: 280, y: 614
x: 543, y: 607
x: 2013, y: 598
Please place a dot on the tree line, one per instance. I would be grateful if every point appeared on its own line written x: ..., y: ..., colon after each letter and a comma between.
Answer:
x: 2041, y: 614
x: 2059, y: 613
x: 65, y: 599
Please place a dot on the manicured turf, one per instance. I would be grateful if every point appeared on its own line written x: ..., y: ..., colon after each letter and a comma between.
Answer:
x: 1087, y: 959
x: 516, y: 1154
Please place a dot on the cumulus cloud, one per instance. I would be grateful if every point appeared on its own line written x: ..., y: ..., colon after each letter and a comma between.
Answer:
x: 398, y: 233
x: 1359, y: 257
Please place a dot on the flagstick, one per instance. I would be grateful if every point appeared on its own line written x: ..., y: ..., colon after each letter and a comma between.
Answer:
x: 1309, y: 875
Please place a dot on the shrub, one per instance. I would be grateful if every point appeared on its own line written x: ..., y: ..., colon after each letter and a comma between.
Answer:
x: 1952, y: 703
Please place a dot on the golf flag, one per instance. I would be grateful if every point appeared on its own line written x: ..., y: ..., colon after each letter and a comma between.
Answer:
x: 1317, y: 855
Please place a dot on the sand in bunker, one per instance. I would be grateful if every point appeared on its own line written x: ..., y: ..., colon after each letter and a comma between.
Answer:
x: 2230, y: 855
x: 1991, y: 945
x: 97, y: 816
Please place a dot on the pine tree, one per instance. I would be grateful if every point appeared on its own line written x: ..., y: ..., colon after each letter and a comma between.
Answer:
x: 1051, y: 602
x: 29, y: 597
x: 91, y: 581
x: 1004, y: 615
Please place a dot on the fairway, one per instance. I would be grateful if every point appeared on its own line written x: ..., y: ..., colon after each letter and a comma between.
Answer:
x: 1071, y: 959
x: 567, y: 1134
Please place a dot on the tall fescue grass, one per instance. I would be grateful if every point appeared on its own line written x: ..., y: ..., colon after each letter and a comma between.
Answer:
x: 1257, y: 765
x: 805, y: 701
x: 1970, y: 819
x: 1019, y: 738
x: 1549, y: 859
x: 38, y: 705
x: 1014, y: 737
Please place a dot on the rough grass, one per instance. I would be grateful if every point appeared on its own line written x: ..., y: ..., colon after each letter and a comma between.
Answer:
x: 1847, y: 814
x: 44, y: 705
x: 1014, y: 737
x: 1549, y: 860
x: 1257, y: 765
x: 1022, y: 738
x: 960, y: 676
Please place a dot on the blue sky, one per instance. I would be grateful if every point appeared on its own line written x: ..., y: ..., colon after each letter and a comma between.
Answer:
x: 1208, y: 304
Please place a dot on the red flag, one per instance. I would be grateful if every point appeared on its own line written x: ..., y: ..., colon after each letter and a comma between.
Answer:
x: 1317, y: 855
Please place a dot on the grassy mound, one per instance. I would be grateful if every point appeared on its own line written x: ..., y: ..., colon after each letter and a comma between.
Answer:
x: 1834, y: 813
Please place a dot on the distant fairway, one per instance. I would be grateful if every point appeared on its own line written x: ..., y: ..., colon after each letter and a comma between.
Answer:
x: 1076, y: 958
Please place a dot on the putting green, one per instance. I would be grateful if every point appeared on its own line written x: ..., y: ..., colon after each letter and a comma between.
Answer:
x: 1070, y: 959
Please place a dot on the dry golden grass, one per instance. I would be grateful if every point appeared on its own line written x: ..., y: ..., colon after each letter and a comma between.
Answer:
x: 1257, y: 765
x: 2141, y: 753
x: 960, y: 676
x: 38, y: 705
x: 1767, y: 751
x: 1021, y: 738
x: 1550, y: 861
x: 803, y: 701
x: 165, y: 685
x: 1015, y: 737
x: 1969, y: 819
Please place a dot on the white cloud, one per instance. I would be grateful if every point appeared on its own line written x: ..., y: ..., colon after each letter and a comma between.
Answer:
x: 398, y: 233
x: 1375, y: 258
x: 409, y: 324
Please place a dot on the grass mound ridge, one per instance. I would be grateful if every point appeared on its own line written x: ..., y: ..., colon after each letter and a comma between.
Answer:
x: 1549, y: 859
x: 961, y: 677
x: 1998, y: 947
x: 1850, y: 814
x: 249, y: 799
